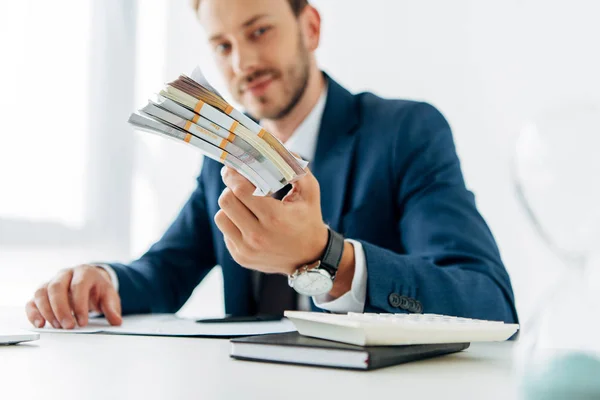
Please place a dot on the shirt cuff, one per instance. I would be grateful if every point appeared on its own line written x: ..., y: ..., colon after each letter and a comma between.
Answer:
x: 354, y: 299
x: 111, y: 273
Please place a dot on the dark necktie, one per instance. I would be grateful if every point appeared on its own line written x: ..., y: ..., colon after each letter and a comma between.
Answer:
x: 275, y: 295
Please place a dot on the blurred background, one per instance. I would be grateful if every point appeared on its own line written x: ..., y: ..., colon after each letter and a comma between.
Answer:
x: 78, y: 185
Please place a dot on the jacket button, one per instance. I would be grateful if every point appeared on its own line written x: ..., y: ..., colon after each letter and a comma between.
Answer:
x: 418, y: 307
x: 395, y: 300
x: 404, y: 303
x: 414, y: 306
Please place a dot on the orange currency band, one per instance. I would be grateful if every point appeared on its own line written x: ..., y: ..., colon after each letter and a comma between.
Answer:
x: 223, y: 143
x: 195, y: 118
x: 188, y: 137
x: 188, y: 124
x: 233, y: 126
x: 228, y: 109
x: 261, y: 133
x: 223, y: 156
x: 231, y: 137
x: 198, y: 106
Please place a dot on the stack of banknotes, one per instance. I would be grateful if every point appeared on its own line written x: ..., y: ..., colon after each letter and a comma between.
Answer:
x: 191, y: 111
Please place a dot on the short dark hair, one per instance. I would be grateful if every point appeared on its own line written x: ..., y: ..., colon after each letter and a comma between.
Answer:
x: 296, y: 5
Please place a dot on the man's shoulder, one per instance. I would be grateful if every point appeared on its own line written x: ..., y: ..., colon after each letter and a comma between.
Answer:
x: 371, y: 101
x: 385, y: 110
x: 402, y: 122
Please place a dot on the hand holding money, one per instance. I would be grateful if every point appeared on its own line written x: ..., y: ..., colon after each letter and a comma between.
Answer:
x: 270, y: 235
x: 194, y: 113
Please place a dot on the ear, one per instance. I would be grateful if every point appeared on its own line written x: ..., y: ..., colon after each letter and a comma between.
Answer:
x: 310, y: 23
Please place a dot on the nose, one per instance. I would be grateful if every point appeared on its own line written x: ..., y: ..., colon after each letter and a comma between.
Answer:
x: 244, y: 59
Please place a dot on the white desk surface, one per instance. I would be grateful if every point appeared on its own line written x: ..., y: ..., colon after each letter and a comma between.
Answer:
x: 70, y: 366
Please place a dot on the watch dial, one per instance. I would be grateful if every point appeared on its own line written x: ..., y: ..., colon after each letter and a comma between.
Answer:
x: 313, y: 283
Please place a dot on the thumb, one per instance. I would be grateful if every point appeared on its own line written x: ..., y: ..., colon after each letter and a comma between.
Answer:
x: 306, y: 188
x: 110, y: 304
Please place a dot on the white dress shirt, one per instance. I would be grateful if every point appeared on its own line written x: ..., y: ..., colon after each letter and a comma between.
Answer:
x: 304, y: 143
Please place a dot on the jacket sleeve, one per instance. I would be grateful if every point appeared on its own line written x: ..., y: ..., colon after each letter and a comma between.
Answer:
x: 163, y: 278
x: 450, y: 264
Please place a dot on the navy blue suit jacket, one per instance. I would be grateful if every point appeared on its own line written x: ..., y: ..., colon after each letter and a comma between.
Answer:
x: 389, y: 178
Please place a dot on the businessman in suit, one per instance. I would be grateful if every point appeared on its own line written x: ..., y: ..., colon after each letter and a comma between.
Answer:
x: 382, y: 221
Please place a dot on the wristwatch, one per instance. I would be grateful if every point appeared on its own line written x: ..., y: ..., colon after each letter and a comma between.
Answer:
x: 318, y: 279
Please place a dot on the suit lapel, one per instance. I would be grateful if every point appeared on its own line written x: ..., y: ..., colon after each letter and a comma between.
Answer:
x: 335, y: 150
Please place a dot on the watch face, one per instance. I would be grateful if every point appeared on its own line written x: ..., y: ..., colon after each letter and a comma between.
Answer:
x: 313, y: 283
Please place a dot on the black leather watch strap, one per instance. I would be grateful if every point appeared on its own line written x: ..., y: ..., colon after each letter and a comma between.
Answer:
x: 333, y: 252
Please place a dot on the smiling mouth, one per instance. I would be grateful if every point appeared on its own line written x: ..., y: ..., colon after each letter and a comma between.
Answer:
x: 258, y: 86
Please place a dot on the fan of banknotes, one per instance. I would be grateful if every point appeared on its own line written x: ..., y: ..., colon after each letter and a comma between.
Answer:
x: 191, y: 111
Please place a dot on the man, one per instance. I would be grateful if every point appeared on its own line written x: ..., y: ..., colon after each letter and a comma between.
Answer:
x: 383, y: 173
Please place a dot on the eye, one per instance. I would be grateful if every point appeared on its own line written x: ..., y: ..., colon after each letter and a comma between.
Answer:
x: 260, y: 31
x: 222, y: 48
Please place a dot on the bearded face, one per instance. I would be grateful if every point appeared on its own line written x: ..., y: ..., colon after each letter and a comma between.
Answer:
x: 260, y: 50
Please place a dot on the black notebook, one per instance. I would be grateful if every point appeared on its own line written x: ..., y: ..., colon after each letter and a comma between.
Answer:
x: 293, y: 348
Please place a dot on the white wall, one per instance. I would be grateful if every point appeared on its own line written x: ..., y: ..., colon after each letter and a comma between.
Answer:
x: 489, y: 66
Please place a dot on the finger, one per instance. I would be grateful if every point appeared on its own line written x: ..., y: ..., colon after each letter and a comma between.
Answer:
x: 227, y: 227
x: 34, y: 315
x: 94, y: 300
x: 306, y: 188
x: 110, y: 304
x: 58, y: 293
x: 81, y: 285
x: 43, y: 305
x: 237, y: 212
x: 231, y: 246
x: 243, y: 190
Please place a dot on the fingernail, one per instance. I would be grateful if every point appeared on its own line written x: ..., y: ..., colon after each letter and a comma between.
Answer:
x: 78, y: 321
x: 66, y: 323
x: 55, y: 324
x: 37, y: 323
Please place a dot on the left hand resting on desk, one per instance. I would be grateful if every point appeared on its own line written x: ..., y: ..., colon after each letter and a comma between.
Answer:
x: 269, y: 235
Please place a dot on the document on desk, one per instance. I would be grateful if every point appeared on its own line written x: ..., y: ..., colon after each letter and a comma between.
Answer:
x: 171, y: 325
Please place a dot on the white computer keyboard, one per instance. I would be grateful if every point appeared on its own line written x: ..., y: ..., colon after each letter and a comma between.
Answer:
x: 397, y: 329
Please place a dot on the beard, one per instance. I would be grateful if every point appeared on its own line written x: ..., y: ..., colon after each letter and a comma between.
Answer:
x: 295, y: 80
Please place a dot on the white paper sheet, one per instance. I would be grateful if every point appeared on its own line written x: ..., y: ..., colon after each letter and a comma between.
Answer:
x: 171, y: 325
